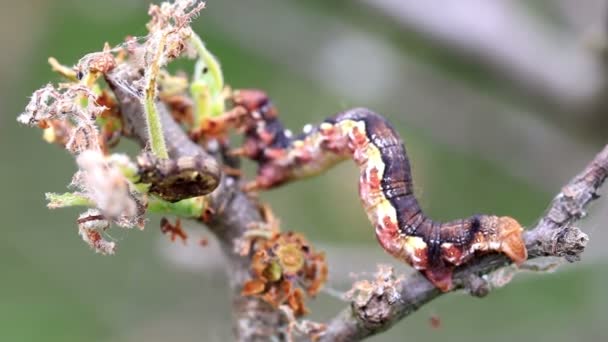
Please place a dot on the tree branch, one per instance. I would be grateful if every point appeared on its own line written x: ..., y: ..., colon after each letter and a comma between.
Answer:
x: 553, y: 235
x: 233, y: 212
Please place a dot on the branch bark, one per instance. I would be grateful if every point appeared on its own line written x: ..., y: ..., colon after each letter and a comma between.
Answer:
x: 553, y: 235
x: 233, y: 212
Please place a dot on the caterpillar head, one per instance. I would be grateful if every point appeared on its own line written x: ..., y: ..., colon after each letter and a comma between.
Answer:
x: 494, y: 234
x: 509, y: 235
x: 501, y: 234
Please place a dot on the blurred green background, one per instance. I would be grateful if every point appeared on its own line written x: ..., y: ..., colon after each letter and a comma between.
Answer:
x: 499, y: 104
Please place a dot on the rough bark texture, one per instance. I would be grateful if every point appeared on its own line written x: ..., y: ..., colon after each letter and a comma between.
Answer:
x: 254, y: 319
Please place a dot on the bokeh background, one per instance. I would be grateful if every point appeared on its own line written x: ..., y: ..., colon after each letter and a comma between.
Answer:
x: 499, y: 102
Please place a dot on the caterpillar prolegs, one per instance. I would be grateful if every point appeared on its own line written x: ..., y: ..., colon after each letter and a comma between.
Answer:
x: 385, y: 185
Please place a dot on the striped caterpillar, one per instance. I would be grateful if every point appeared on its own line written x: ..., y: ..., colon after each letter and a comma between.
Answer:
x: 385, y: 185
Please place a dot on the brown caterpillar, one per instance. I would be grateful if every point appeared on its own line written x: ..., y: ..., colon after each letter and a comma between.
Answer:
x: 385, y: 186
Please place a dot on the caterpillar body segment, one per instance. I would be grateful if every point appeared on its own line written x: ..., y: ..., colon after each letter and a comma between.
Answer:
x: 385, y: 186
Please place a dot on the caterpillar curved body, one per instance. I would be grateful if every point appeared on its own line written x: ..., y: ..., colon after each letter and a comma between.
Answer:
x: 385, y: 186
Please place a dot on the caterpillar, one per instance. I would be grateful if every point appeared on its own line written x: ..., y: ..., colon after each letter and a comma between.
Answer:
x: 385, y: 185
